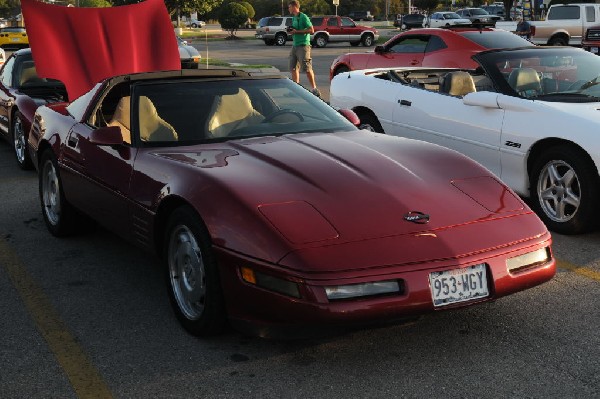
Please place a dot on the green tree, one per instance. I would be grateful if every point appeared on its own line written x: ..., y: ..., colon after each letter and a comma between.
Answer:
x: 95, y: 3
x: 426, y: 5
x: 178, y: 7
x: 9, y: 8
x: 248, y: 6
x: 315, y: 7
x: 231, y: 16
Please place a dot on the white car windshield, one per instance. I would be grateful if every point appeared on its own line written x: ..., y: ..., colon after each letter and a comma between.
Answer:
x: 452, y: 16
x: 549, y: 74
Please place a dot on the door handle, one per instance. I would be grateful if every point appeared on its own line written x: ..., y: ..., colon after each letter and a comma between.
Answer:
x: 405, y: 102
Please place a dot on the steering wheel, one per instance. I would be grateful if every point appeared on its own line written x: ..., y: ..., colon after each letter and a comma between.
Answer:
x: 583, y: 84
x: 270, y: 118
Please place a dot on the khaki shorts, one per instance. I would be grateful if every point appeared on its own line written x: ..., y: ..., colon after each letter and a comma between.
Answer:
x: 300, y: 55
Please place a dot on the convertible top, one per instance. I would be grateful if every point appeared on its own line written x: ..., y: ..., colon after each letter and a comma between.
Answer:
x: 82, y: 46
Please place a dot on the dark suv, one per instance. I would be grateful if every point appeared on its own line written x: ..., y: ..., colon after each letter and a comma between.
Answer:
x: 332, y: 28
x: 272, y: 30
x: 409, y: 21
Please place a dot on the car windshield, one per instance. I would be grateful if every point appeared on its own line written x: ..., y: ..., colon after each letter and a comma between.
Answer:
x: 496, y: 39
x: 196, y: 111
x: 548, y: 74
x: 452, y: 15
x: 478, y: 11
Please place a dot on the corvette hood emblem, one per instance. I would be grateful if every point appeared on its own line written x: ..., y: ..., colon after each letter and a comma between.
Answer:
x: 417, y: 217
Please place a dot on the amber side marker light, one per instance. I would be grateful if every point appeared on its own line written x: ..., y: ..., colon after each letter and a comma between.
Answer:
x: 270, y: 283
x: 530, y: 259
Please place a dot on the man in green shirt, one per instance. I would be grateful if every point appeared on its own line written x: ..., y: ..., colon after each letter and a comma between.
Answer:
x: 301, y: 30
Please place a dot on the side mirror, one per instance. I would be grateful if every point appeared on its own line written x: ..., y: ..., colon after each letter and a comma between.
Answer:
x: 379, y: 49
x: 108, y: 135
x: 351, y: 116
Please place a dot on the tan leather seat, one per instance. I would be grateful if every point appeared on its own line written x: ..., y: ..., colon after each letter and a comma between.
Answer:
x: 525, y: 81
x: 28, y: 74
x: 152, y: 126
x: 457, y: 83
x: 121, y: 118
x: 230, y: 112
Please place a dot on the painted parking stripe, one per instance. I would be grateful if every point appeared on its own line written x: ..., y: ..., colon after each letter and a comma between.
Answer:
x: 584, y: 271
x: 83, y: 376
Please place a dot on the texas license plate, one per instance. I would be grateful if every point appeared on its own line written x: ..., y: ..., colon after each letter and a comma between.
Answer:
x: 459, y: 285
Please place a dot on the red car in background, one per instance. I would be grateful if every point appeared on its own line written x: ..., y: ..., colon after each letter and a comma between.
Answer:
x: 335, y: 29
x: 435, y: 47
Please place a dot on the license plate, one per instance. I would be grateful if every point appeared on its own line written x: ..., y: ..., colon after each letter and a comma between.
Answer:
x: 594, y: 50
x: 458, y: 285
x: 258, y: 36
x: 14, y: 39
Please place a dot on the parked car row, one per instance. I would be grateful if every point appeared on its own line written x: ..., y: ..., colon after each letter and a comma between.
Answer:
x: 327, y: 29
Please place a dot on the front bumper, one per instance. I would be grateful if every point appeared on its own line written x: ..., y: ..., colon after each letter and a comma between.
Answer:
x: 250, y: 305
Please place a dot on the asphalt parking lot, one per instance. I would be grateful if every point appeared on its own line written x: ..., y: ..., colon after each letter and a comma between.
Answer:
x: 88, y: 316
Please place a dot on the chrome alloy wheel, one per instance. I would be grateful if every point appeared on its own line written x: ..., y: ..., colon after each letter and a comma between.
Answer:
x: 51, y: 193
x: 558, y: 191
x: 187, y: 273
x: 19, y: 140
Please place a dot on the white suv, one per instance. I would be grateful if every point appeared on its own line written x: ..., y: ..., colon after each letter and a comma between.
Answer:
x: 273, y: 30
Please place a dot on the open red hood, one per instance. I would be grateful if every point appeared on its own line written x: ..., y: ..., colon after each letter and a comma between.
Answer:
x: 82, y: 46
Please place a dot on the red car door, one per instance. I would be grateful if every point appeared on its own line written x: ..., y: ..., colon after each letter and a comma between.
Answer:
x: 336, y: 33
x: 408, y: 50
x: 351, y: 31
x: 97, y: 178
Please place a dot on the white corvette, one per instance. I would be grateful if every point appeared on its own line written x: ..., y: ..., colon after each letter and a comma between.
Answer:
x: 530, y: 115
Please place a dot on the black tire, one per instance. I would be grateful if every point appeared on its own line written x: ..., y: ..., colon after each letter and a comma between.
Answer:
x: 280, y: 39
x: 194, y: 26
x: 368, y: 40
x: 354, y: 44
x: 192, y: 275
x: 558, y: 41
x: 320, y: 41
x: 19, y: 139
x: 59, y: 215
x: 269, y: 42
x: 568, y: 205
x: 370, y: 122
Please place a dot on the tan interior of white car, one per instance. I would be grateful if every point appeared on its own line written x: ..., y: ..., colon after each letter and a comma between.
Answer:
x: 230, y: 112
x: 525, y: 81
x: 457, y: 83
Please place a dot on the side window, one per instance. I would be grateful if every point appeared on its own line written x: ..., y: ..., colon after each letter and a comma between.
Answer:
x: 288, y: 22
x: 332, y: 22
x: 590, y: 14
x: 435, y: 43
x: 347, y: 23
x: 7, y: 72
x: 410, y: 45
x: 275, y: 21
x: 563, y: 12
x: 318, y: 21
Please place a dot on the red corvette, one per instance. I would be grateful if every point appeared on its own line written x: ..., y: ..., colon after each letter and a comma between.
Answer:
x: 267, y: 206
x: 435, y: 47
x: 271, y: 209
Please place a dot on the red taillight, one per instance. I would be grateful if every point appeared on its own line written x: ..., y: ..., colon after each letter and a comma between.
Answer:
x: 266, y: 29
